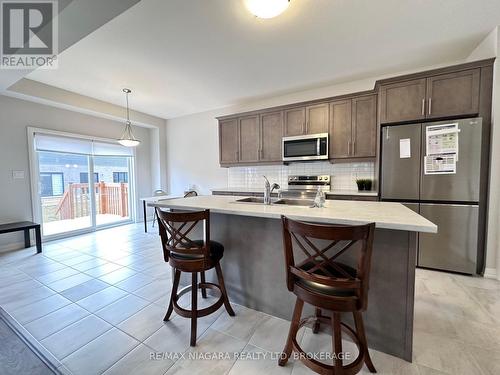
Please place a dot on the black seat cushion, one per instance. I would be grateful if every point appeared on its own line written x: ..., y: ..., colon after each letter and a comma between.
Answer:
x: 216, y: 251
x: 325, y: 289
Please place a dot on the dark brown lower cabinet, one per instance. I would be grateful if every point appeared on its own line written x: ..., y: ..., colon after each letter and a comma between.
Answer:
x: 351, y: 197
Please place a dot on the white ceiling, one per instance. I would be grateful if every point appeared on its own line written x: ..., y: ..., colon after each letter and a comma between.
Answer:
x: 186, y: 56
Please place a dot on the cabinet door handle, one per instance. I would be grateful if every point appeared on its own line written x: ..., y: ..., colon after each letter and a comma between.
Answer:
x: 348, y: 148
x: 423, y: 107
x: 353, y: 148
x: 237, y: 155
x: 430, y: 106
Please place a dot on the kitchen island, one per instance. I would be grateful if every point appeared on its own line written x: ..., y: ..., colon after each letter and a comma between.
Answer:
x: 253, y: 261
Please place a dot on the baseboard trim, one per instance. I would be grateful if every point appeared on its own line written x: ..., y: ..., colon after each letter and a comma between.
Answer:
x: 490, y: 273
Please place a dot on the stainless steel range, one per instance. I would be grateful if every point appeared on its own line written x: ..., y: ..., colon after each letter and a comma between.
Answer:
x: 307, y: 186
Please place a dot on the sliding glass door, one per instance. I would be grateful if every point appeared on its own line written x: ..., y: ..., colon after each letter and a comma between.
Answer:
x: 82, y: 184
x: 65, y: 201
x: 112, y: 189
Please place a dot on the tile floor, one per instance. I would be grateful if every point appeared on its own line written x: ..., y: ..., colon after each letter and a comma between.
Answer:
x: 96, y: 303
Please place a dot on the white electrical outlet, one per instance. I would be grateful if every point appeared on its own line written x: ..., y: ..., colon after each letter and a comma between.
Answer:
x: 18, y: 175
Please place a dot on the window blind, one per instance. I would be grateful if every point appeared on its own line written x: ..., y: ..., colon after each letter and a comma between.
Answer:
x: 56, y: 143
x: 110, y: 149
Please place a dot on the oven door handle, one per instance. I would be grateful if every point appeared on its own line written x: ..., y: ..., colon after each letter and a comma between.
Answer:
x: 318, y: 147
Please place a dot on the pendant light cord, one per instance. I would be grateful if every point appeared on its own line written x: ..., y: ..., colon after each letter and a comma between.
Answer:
x: 128, y: 116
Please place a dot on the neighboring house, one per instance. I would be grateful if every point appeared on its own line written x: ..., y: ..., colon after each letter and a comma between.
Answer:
x: 57, y: 171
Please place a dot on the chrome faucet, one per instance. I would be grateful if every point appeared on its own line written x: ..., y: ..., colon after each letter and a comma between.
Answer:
x: 268, y: 189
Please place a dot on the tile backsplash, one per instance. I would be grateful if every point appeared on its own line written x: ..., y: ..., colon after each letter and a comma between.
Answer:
x: 344, y: 175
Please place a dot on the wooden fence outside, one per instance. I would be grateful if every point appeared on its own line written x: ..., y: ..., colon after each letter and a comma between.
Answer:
x: 111, y: 198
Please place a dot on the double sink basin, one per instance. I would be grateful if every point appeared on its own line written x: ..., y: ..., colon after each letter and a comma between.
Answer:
x: 283, y: 201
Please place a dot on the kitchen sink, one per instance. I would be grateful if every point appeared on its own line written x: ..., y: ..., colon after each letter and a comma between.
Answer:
x: 283, y: 201
x: 295, y: 202
x: 251, y: 200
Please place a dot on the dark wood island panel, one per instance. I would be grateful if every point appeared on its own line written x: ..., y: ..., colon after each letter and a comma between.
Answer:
x: 254, y: 271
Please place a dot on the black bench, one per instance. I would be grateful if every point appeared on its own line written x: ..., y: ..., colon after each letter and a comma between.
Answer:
x: 25, y: 226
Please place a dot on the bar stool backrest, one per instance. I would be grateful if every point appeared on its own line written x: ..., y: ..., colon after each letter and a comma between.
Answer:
x: 318, y: 242
x: 175, y: 228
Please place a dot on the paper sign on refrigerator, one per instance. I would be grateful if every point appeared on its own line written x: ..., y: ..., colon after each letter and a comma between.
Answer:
x: 442, y: 139
x: 404, y: 148
x: 440, y: 164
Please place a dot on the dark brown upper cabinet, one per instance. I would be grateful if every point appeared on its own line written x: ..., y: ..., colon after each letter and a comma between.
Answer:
x: 249, y: 134
x: 402, y: 101
x: 271, y: 133
x: 228, y: 141
x: 364, y: 127
x: 438, y: 96
x: 353, y: 128
x: 295, y: 121
x: 453, y: 94
x: 317, y: 119
x: 311, y: 119
x: 340, y: 129
x: 248, y: 140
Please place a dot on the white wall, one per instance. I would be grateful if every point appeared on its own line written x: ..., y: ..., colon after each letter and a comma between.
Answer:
x: 15, y: 116
x: 490, y: 47
x: 192, y: 153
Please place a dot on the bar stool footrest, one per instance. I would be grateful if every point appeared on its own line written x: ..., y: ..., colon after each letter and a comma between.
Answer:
x: 320, y: 367
x: 185, y: 313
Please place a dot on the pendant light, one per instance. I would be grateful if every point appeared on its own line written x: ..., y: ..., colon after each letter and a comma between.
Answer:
x: 127, y: 139
x: 266, y: 8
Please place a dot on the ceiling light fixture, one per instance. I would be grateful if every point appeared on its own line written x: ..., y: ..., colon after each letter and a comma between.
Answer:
x: 127, y: 139
x: 267, y: 8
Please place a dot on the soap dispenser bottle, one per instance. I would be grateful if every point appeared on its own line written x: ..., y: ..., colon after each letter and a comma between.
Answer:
x: 319, y: 200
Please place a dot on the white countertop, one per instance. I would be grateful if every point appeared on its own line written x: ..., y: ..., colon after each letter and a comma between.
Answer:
x: 388, y: 215
x: 158, y: 198
x: 331, y: 192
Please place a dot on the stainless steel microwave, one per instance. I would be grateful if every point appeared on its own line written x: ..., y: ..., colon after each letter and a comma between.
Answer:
x: 305, y: 147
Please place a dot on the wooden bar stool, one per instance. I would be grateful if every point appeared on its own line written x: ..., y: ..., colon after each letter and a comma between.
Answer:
x: 326, y: 283
x: 193, y: 256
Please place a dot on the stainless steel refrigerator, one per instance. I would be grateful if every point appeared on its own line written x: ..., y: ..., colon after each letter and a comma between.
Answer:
x: 449, y: 200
